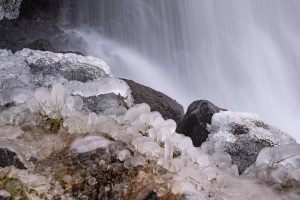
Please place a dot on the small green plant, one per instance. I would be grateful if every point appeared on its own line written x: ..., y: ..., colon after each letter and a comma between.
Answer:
x: 55, y: 123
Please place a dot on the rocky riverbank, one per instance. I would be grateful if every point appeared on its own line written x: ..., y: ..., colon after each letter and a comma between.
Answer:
x: 69, y: 129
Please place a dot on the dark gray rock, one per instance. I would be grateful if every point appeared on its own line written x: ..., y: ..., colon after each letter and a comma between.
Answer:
x: 102, y: 102
x: 9, y: 158
x: 194, y: 123
x: 41, y: 44
x: 168, y: 108
x: 244, y: 152
x: 37, y: 19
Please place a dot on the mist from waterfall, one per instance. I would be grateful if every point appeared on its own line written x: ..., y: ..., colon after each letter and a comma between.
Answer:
x: 241, y: 55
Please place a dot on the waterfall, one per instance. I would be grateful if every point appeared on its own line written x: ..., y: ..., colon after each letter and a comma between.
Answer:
x: 241, y: 55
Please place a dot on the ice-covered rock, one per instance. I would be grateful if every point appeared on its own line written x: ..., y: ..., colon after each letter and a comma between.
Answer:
x: 137, y: 139
x: 14, y: 72
x: 69, y: 66
x: 100, y: 87
x: 86, y: 76
x: 278, y: 165
x: 9, y: 9
x: 243, y: 135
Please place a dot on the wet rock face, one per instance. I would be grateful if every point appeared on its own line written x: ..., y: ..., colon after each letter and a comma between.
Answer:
x: 9, y: 158
x: 194, y: 123
x: 167, y: 107
x: 41, y: 44
x: 27, y: 21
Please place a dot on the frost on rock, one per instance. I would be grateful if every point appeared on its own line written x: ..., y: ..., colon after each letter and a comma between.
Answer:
x: 14, y: 72
x: 242, y: 135
x: 70, y: 66
x: 9, y: 9
x: 86, y: 76
x: 100, y: 87
x: 142, y: 143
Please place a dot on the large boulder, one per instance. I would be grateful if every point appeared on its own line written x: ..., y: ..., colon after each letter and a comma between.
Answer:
x: 194, y: 123
x: 168, y: 107
x: 85, y: 76
x: 243, y: 136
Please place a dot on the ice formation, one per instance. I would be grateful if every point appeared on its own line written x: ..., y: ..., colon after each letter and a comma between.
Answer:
x: 89, y: 143
x: 192, y: 172
x: 228, y: 126
x: 278, y: 165
x: 9, y: 9
x: 30, y: 69
x: 89, y: 67
x: 242, y: 135
x: 55, y: 104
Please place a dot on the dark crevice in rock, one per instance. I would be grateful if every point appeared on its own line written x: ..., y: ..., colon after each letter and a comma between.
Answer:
x: 8, y: 158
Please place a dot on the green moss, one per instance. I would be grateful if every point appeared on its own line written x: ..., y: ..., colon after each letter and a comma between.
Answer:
x: 15, y: 187
x: 56, y: 123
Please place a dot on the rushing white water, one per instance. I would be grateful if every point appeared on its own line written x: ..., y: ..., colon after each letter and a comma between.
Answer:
x: 242, y: 55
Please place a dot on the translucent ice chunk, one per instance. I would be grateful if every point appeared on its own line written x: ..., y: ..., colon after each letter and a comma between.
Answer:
x: 138, y: 160
x: 134, y: 112
x: 92, y: 119
x: 9, y: 132
x: 43, y: 96
x: 58, y: 96
x: 78, y: 103
x: 33, y: 105
x: 287, y: 155
x: 135, y: 161
x: 169, y: 150
x: 150, y: 148
x: 123, y: 154
x: 116, y: 111
x: 153, y: 118
x: 140, y: 140
x: 16, y: 95
x: 89, y: 143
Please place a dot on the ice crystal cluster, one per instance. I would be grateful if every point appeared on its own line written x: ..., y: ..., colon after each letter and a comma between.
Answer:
x: 9, y: 9
x: 227, y: 127
x: 84, y: 76
x: 192, y: 172
x: 279, y: 165
x: 55, y: 104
